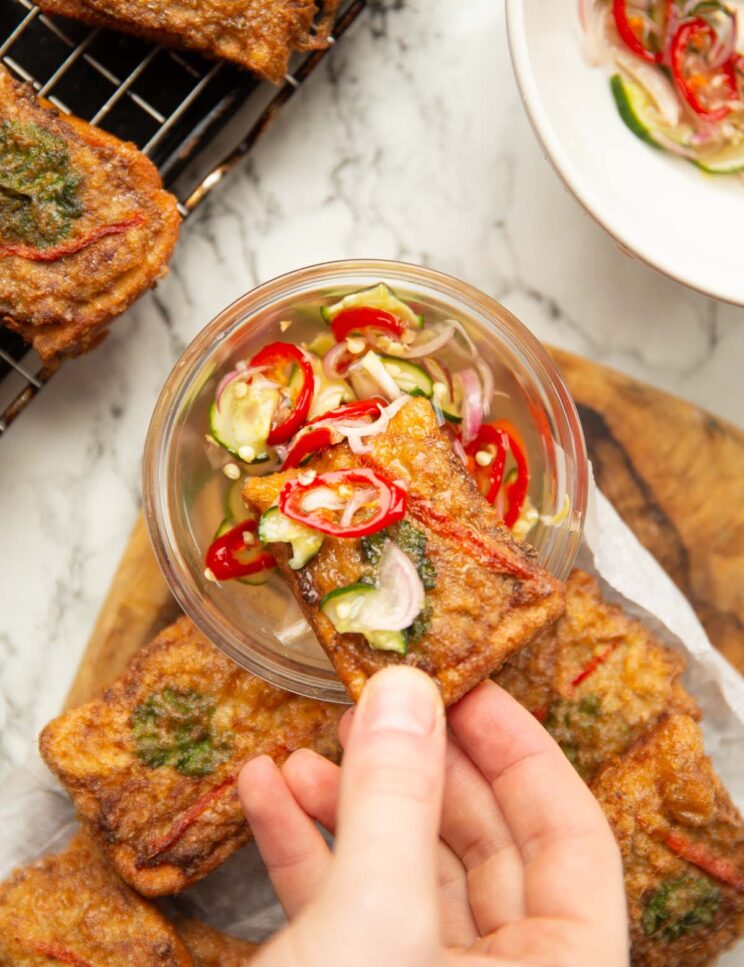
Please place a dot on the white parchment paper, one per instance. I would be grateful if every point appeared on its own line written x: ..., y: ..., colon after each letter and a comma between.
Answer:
x: 36, y: 816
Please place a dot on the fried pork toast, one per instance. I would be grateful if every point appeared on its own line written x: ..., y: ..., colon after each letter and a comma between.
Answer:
x: 490, y: 598
x: 257, y: 34
x: 211, y: 948
x: 72, y: 908
x: 152, y: 764
x: 597, y: 679
x: 85, y: 225
x: 682, y: 843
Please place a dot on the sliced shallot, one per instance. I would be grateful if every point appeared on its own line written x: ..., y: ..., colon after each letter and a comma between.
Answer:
x: 472, y: 404
x: 465, y: 335
x: 487, y: 381
x: 355, y: 503
x: 355, y: 434
x: 595, y: 41
x: 400, y: 596
x: 655, y: 83
x: 322, y: 498
x: 337, y: 360
x: 442, y: 333
x: 724, y: 46
x: 459, y: 449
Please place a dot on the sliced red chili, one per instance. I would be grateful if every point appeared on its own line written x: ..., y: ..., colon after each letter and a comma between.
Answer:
x: 356, y: 320
x: 489, y: 478
x: 700, y: 855
x: 633, y: 28
x: 592, y: 665
x: 350, y: 412
x: 280, y: 358
x: 55, y: 252
x: 481, y: 549
x: 321, y: 431
x: 309, y: 442
x: 516, y: 491
x: 384, y: 506
x: 156, y: 847
x: 55, y: 951
x: 627, y: 26
x: 500, y: 437
x: 229, y: 556
x: 702, y: 89
x: 496, y: 557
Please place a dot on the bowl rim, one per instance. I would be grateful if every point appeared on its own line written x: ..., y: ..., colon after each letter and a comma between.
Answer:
x: 560, y: 161
x: 197, y: 355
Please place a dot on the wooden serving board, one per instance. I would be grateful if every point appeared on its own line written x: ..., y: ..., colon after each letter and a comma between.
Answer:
x: 673, y: 472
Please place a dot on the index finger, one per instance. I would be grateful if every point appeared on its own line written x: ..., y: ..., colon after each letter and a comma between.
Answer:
x: 389, y: 803
x: 572, y: 864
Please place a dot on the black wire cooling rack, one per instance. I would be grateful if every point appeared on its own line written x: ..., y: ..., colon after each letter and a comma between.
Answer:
x: 194, y: 118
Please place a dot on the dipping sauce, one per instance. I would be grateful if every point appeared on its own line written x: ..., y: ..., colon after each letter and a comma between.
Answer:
x: 338, y: 372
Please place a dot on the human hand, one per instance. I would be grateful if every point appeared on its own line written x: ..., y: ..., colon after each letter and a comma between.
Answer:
x: 482, y: 849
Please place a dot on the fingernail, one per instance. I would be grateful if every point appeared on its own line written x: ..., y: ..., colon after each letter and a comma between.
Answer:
x: 400, y: 700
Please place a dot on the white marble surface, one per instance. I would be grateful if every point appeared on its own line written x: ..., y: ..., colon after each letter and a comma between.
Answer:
x: 410, y: 142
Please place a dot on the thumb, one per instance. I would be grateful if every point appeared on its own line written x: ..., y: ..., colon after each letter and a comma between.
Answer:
x: 390, y: 800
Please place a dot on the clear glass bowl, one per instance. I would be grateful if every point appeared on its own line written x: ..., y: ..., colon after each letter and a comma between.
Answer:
x: 262, y: 627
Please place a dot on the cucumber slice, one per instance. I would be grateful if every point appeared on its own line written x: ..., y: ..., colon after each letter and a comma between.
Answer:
x: 244, y: 421
x: 635, y: 108
x: 329, y: 393
x: 410, y: 377
x: 276, y: 527
x: 377, y: 297
x: 363, y: 385
x: 321, y: 344
x: 706, y: 6
x: 235, y: 509
x: 638, y: 111
x: 329, y: 397
x: 451, y: 417
x: 295, y: 381
x: 510, y: 478
x: 396, y: 641
x: 442, y: 400
x: 725, y: 161
x: 342, y: 608
x: 446, y: 405
x: 373, y: 365
x: 255, y: 580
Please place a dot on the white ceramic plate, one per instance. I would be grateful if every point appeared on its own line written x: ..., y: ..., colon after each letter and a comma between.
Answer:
x: 681, y: 221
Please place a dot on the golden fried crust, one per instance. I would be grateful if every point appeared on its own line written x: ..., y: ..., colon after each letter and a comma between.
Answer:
x: 210, y: 948
x: 72, y: 908
x: 597, y: 679
x: 164, y: 828
x: 257, y: 34
x: 480, y: 613
x: 64, y: 306
x: 667, y: 808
